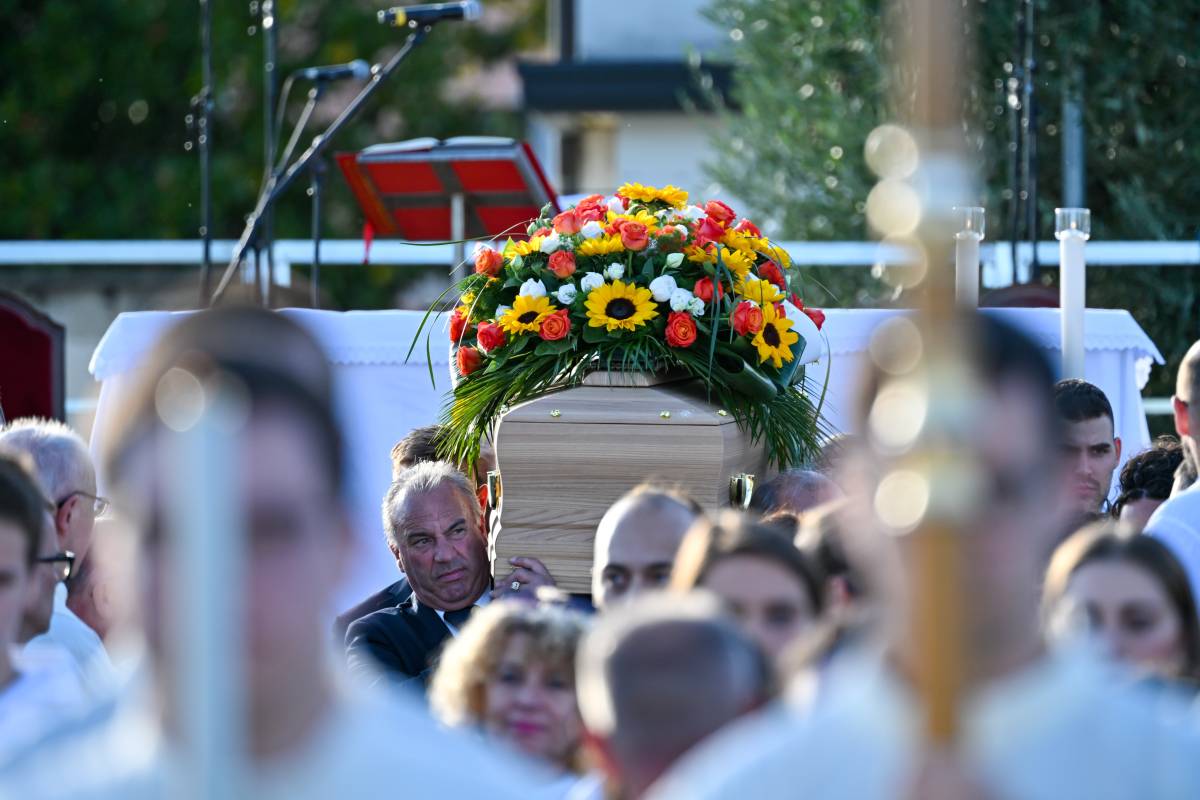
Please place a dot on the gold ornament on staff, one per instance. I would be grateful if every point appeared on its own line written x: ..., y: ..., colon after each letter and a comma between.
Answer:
x: 925, y: 402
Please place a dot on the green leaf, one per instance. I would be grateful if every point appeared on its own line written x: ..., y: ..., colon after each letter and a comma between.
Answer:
x: 594, y: 335
x: 553, y: 348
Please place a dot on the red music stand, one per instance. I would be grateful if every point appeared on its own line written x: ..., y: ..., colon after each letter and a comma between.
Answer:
x: 427, y: 190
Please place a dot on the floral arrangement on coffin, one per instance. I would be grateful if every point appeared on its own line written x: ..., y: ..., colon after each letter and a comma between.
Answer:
x: 640, y: 281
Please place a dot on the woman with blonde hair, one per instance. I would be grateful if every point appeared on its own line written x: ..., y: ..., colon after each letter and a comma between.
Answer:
x: 510, y: 674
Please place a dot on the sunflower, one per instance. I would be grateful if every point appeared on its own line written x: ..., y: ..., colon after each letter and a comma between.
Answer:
x: 523, y: 248
x: 739, y: 262
x: 762, y: 292
x: 526, y: 314
x: 774, y: 341
x: 671, y: 195
x: 620, y: 305
x: 641, y: 215
x: 701, y: 255
x: 600, y: 246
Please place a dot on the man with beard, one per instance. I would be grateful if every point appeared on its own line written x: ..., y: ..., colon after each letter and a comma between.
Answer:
x: 1090, y: 443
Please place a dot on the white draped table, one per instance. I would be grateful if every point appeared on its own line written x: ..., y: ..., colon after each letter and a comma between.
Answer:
x: 381, y: 398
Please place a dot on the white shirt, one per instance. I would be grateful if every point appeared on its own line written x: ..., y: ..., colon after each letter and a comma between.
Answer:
x: 1063, y: 728
x: 1176, y: 523
x: 70, y: 635
x: 34, y: 703
x: 483, y: 600
x: 372, y: 745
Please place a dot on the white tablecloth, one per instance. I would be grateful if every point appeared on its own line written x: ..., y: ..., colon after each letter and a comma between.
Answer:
x: 381, y: 398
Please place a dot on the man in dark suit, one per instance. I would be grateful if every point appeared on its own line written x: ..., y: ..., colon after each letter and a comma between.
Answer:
x: 435, y: 531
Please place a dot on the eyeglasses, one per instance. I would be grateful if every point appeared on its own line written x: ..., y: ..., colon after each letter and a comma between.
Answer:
x: 99, y: 504
x: 63, y: 564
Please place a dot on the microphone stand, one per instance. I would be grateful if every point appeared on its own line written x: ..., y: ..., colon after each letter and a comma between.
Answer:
x: 203, y: 104
x: 276, y: 186
x: 270, y: 39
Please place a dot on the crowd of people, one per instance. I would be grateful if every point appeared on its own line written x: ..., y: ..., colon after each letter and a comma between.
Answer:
x: 760, y: 653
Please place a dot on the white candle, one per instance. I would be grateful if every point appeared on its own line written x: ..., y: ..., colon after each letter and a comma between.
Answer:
x: 1072, y: 300
x: 966, y: 268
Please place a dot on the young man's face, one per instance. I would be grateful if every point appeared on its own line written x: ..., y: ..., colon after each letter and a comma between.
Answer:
x: 14, y: 578
x: 1093, y: 452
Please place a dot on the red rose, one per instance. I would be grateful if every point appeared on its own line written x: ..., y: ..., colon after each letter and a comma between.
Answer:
x: 708, y: 232
x: 704, y: 290
x: 567, y: 223
x: 746, y: 226
x: 543, y: 232
x: 556, y: 326
x: 590, y: 211
x: 681, y: 329
x: 488, y: 262
x: 469, y: 360
x: 816, y: 315
x: 770, y: 272
x: 746, y: 318
x: 780, y: 311
x: 490, y: 336
x: 562, y: 263
x: 634, y: 236
x: 719, y: 212
x: 458, y: 325
x: 591, y: 200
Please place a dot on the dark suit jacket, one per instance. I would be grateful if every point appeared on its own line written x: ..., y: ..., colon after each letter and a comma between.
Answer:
x: 389, y: 597
x: 396, y: 645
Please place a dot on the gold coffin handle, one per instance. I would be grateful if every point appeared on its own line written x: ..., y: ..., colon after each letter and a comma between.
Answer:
x: 494, y: 488
x: 741, y: 489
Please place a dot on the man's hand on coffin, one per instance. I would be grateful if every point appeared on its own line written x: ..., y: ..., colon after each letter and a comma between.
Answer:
x: 523, y: 582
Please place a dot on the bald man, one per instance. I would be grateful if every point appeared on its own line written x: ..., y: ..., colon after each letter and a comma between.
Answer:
x: 636, y: 542
x: 1177, y: 521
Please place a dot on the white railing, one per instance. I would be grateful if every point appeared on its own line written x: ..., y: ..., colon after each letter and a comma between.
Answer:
x: 997, y: 265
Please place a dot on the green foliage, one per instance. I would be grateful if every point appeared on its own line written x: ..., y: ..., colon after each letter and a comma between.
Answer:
x: 93, y: 96
x: 811, y: 77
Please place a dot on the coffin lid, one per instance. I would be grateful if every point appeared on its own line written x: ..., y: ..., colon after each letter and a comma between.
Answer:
x: 685, y: 401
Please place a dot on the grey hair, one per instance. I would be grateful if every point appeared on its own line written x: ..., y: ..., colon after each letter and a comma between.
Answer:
x: 425, y: 476
x: 641, y: 669
x: 59, y: 454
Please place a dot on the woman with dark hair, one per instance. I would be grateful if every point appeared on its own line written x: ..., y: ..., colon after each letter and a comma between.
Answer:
x: 1133, y: 595
x: 1146, y: 481
x: 768, y: 584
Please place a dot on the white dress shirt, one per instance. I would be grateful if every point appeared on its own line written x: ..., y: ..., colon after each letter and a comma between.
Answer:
x: 1063, y: 728
x: 36, y: 701
x: 483, y: 600
x: 70, y: 635
x: 1176, y: 523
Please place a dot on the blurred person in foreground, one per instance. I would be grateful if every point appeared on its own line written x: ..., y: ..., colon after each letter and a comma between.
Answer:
x: 435, y: 532
x: 795, y: 491
x: 511, y: 677
x: 636, y: 542
x: 765, y: 581
x: 1146, y: 481
x: 1033, y: 722
x: 65, y: 471
x: 1177, y: 522
x: 1089, y: 440
x: 1132, y: 596
x: 656, y: 677
x: 306, y: 733
x: 31, y: 700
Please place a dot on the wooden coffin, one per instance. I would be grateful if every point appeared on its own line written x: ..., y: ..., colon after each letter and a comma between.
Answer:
x: 565, y: 458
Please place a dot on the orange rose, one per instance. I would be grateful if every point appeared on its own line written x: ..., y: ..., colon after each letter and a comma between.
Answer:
x: 707, y: 232
x: 749, y: 228
x: 562, y: 263
x: 769, y: 271
x: 556, y: 326
x: 566, y: 223
x: 746, y: 318
x: 681, y: 329
x: 490, y: 336
x: 469, y: 360
x: 634, y: 236
x: 719, y: 213
x: 590, y: 210
x: 488, y: 262
x: 458, y: 325
x: 704, y: 290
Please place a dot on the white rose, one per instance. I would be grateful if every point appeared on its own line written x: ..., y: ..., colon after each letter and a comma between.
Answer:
x: 694, y: 213
x: 502, y: 310
x: 566, y: 294
x: 551, y: 243
x: 532, y: 288
x: 681, y: 300
x: 662, y: 287
x: 683, y: 231
x: 590, y: 281
x: 674, y: 260
x: 591, y: 230
x: 615, y: 205
x: 614, y: 271
x: 696, y: 307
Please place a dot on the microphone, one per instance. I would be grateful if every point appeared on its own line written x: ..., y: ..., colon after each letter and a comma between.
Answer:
x: 429, y: 13
x: 336, y: 72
